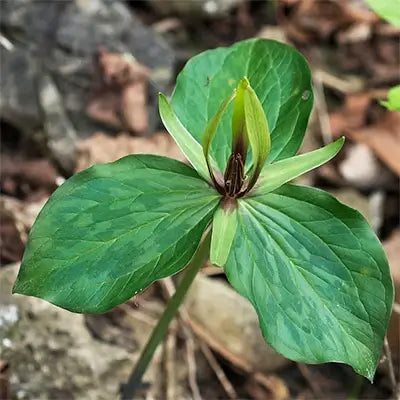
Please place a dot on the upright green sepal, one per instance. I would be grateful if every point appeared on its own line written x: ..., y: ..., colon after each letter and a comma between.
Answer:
x: 189, y: 146
x: 277, y: 72
x: 276, y: 174
x: 223, y: 231
x: 257, y: 131
x: 209, y: 133
x: 240, y: 139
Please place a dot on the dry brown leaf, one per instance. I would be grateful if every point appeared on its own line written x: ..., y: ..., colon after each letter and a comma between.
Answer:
x: 101, y: 148
x: 352, y: 115
x: 120, y: 99
x: 133, y: 106
x: 308, y: 20
x: 17, y: 218
x: 21, y: 177
x: 355, y: 33
x: 383, y: 138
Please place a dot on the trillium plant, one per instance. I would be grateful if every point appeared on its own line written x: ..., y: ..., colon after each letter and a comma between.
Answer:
x: 312, y: 267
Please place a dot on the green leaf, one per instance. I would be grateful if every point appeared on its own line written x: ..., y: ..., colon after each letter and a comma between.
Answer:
x: 257, y: 131
x: 190, y: 147
x: 276, y: 174
x: 113, y: 229
x: 211, y: 130
x: 393, y: 101
x: 278, y: 74
x: 223, y: 232
x: 316, y: 274
x: 387, y: 9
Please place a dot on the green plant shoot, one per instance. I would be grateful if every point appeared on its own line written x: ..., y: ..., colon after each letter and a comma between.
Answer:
x: 312, y: 267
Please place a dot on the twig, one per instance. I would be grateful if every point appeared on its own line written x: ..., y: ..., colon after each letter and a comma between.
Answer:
x: 169, y: 365
x: 191, y: 361
x: 219, y: 372
x: 168, y: 285
x: 392, y: 376
x: 168, y: 288
x: 322, y: 110
x: 345, y: 85
x: 139, y: 315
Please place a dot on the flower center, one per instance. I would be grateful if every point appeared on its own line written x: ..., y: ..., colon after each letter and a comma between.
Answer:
x: 234, y: 176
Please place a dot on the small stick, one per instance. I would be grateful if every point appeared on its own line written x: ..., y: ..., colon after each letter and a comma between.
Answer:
x: 168, y: 288
x: 191, y: 361
x: 344, y: 85
x: 169, y: 365
x: 392, y: 376
x: 322, y: 109
x: 139, y: 315
x: 219, y: 372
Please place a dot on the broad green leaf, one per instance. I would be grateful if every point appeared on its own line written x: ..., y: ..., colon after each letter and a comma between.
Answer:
x: 223, y: 232
x: 257, y: 131
x: 211, y: 130
x: 190, y: 148
x: 113, y: 229
x: 276, y: 174
x: 393, y: 101
x: 316, y: 274
x: 387, y: 9
x: 278, y: 74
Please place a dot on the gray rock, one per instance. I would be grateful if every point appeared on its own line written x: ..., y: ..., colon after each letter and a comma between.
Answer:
x: 194, y: 8
x: 61, y: 40
x: 51, y: 353
x: 61, y: 135
x: 231, y: 322
x: 18, y: 97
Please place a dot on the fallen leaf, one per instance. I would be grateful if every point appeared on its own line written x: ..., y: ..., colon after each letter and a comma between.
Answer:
x: 17, y: 217
x: 101, y: 148
x: 352, y: 115
x: 383, y: 138
x: 308, y: 20
x: 21, y: 177
x: 120, y: 99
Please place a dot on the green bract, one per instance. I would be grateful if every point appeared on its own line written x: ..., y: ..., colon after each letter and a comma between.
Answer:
x: 312, y: 267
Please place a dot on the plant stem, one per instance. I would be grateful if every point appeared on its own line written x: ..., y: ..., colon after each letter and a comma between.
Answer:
x: 161, y: 328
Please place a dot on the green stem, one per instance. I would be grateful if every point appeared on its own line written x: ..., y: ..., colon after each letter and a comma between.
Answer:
x: 161, y: 328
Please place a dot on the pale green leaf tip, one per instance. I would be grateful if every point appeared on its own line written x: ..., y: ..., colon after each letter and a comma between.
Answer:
x: 244, y: 83
x: 217, y: 261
